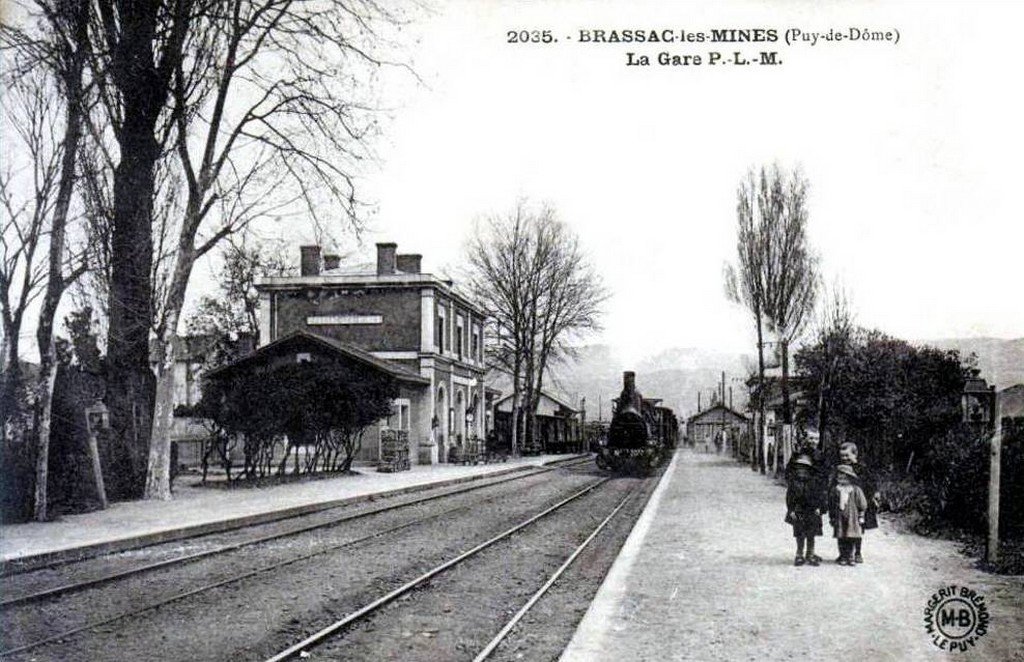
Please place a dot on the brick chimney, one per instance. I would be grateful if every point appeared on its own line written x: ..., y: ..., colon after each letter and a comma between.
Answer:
x: 309, y: 260
x: 386, y: 258
x: 331, y: 262
x: 409, y: 264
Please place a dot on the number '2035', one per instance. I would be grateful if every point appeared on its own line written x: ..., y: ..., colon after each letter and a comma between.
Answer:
x: 529, y: 36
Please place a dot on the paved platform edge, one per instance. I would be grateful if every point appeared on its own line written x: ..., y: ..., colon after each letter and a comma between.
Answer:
x: 15, y: 565
x: 591, y: 627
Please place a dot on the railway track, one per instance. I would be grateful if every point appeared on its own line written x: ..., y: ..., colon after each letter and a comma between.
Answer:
x: 311, y: 642
x: 506, y: 629
x: 64, y: 589
x: 12, y: 597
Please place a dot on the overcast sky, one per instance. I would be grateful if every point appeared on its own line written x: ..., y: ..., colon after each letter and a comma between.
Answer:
x: 912, y: 151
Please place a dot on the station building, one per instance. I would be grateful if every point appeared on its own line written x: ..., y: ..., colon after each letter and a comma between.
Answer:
x: 414, y: 326
x: 717, y: 422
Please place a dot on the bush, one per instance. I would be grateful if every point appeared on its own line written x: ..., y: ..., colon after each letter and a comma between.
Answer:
x: 17, y: 477
x: 1011, y: 498
x: 903, y: 495
x: 954, y: 476
x: 948, y: 487
x: 322, y: 405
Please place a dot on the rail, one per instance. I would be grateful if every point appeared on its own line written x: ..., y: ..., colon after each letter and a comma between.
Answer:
x: 318, y: 637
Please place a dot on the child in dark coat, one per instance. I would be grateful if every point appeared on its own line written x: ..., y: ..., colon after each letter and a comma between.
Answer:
x: 846, y: 507
x: 804, y: 504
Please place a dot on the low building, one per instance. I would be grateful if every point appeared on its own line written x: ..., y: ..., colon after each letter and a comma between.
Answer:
x: 716, y: 423
x: 558, y: 428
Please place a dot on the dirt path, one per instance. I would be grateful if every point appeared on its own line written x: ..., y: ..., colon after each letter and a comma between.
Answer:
x: 714, y: 579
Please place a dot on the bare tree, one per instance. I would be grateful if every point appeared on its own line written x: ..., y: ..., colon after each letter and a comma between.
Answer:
x: 213, y: 116
x: 826, y: 359
x: 499, y: 281
x: 233, y: 314
x: 27, y: 194
x: 569, y: 302
x: 529, y: 273
x: 776, y: 276
x: 138, y: 45
x: 266, y: 117
x: 745, y: 284
x: 53, y: 151
x: 792, y: 268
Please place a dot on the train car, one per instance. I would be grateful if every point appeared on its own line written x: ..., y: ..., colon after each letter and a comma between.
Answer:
x: 642, y: 434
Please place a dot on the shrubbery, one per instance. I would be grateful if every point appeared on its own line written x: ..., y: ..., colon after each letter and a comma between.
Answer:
x: 949, y: 488
x: 17, y: 468
x: 323, y: 407
x: 70, y: 485
x: 901, y: 404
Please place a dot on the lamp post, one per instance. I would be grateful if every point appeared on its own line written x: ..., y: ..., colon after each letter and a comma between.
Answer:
x: 97, y: 417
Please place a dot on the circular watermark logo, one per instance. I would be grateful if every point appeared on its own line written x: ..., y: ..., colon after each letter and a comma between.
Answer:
x: 956, y: 617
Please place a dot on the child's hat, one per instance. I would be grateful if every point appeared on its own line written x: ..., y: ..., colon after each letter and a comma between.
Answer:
x: 846, y: 469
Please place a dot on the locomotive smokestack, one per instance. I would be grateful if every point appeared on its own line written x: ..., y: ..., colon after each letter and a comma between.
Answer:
x: 629, y: 381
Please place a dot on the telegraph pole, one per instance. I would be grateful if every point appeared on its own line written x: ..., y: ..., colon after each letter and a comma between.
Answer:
x: 994, y: 469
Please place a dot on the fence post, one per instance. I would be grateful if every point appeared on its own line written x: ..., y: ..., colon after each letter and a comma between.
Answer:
x: 995, y: 465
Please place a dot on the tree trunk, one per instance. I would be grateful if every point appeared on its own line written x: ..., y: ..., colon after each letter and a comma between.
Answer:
x: 55, y: 282
x: 514, y: 446
x: 781, y: 444
x: 527, y: 400
x: 138, y: 71
x: 284, y: 460
x: 130, y: 384
x: 822, y: 421
x: 787, y: 415
x: 11, y: 376
x: 47, y: 379
x: 759, y: 462
x: 158, y: 468
x: 514, y: 426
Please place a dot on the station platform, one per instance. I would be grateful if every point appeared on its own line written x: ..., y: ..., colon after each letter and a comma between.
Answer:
x: 708, y: 574
x: 195, y: 510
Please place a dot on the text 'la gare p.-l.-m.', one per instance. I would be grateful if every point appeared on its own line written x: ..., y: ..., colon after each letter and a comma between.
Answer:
x: 708, y: 58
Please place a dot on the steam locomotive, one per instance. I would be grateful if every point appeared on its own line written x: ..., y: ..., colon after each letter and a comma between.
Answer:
x: 642, y: 434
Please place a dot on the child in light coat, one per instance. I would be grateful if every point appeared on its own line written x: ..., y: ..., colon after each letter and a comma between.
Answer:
x: 865, y: 479
x: 846, y: 507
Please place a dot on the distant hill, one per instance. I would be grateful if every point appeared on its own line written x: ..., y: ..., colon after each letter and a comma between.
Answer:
x: 1012, y: 401
x: 674, y: 375
x: 1001, y: 361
